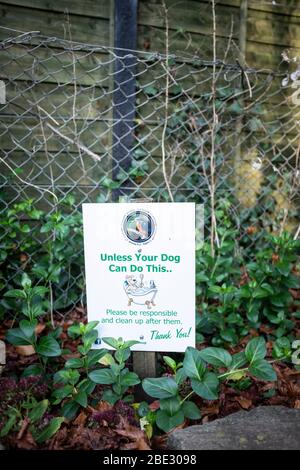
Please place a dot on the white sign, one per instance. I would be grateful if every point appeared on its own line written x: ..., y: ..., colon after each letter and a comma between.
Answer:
x: 140, y: 273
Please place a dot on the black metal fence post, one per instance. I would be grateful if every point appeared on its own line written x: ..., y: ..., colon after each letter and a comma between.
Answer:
x: 125, y: 41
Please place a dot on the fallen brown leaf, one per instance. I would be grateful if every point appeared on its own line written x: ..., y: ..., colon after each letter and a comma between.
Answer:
x: 295, y: 293
x: 154, y: 405
x: 39, y: 328
x: 245, y: 403
x: 135, y: 434
x: 24, y: 426
x: 25, y: 350
x: 210, y: 410
x: 103, y: 406
x: 27, y: 442
x: 267, y: 386
x: 265, y: 329
x: 139, y: 443
x: 159, y: 442
x: 81, y: 419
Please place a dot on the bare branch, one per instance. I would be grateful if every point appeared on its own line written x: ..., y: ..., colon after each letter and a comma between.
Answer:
x: 163, y: 136
x: 71, y: 141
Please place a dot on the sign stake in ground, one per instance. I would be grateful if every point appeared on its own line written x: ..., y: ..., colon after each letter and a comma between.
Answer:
x: 144, y: 363
x: 2, y: 356
x: 140, y: 275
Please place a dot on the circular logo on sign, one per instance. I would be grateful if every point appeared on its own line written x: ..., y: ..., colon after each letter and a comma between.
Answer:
x: 139, y: 226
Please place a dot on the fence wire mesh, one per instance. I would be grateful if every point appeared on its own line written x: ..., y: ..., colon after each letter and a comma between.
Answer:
x: 84, y: 123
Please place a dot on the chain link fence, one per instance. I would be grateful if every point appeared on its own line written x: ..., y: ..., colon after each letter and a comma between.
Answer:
x: 83, y: 123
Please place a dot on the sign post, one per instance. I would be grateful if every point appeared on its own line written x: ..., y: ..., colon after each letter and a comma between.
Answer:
x: 140, y: 275
x: 144, y: 363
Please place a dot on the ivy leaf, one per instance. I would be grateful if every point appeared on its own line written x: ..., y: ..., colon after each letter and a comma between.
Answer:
x: 170, y: 405
x: 81, y: 398
x: 107, y: 360
x: 63, y: 392
x: 229, y: 335
x: 102, y: 376
x: 130, y: 379
x: 70, y: 409
x: 130, y: 343
x: 238, y: 360
x: 193, y: 365
x: 39, y: 291
x: 89, y: 339
x: 38, y: 411
x: 48, y: 347
x: 33, y: 369
x: 94, y: 356
x: 110, y: 396
x: 253, y: 315
x: 28, y: 328
x: 49, y: 430
x: 74, y: 363
x: 166, y: 422
x: 12, y: 419
x: 256, y: 349
x: 86, y: 385
x: 90, y: 326
x: 262, y: 369
x: 114, y: 343
x: 207, y: 387
x: 170, y: 362
x: 16, y: 294
x: 162, y: 387
x: 218, y: 357
x: 25, y: 281
x: 67, y: 376
x: 150, y: 90
x: 191, y: 410
x: 236, y: 376
x: 16, y: 337
x: 121, y: 355
x: 180, y: 376
x: 74, y: 330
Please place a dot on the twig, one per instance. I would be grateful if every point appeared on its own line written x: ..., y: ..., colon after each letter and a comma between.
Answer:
x: 45, y: 112
x: 292, y: 192
x: 214, y: 234
x: 248, y: 83
x: 82, y: 147
x: 74, y: 120
x: 26, y: 182
x: 227, y: 48
x: 163, y: 136
x: 54, y: 231
x: 297, y: 233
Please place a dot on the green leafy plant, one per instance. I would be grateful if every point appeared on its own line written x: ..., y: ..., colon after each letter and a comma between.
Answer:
x: 236, y: 296
x: 32, y: 307
x: 172, y: 364
x: 45, y: 245
x: 282, y: 349
x: 21, y: 404
x: 61, y: 255
x: 204, y: 370
x: 18, y: 243
x: 116, y: 374
x: 73, y: 385
x: 34, y: 412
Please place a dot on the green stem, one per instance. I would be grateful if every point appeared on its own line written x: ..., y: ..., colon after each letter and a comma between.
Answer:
x: 43, y: 365
x: 231, y: 372
x: 188, y: 396
x: 29, y: 308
